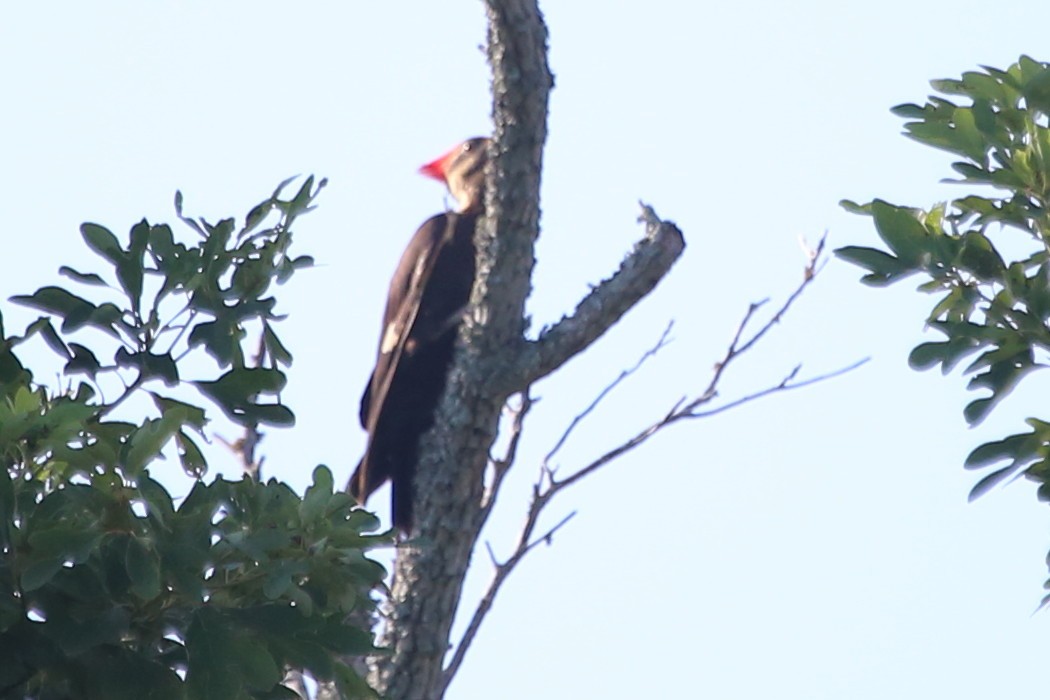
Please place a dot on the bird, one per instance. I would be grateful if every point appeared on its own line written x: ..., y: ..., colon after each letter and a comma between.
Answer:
x: 427, y: 299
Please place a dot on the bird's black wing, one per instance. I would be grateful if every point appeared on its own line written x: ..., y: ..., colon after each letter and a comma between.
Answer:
x: 430, y: 285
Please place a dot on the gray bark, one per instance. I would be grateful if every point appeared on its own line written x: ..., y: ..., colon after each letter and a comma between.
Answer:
x: 493, y: 359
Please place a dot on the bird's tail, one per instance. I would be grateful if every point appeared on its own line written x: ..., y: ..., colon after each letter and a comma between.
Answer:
x: 356, y: 486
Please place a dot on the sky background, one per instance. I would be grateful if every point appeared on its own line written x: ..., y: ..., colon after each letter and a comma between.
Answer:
x: 813, y: 545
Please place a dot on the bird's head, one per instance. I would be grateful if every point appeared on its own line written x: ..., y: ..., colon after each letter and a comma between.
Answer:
x: 463, y: 171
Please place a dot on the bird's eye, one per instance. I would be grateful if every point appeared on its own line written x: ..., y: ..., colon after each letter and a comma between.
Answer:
x: 467, y: 145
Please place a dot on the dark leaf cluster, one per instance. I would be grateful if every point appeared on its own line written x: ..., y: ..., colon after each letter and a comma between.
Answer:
x: 109, y: 587
x: 117, y: 592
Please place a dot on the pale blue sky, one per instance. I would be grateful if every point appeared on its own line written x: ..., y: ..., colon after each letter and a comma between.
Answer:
x: 815, y: 545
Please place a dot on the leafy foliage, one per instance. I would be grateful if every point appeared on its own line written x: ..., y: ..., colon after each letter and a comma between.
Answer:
x: 993, y: 313
x: 108, y: 586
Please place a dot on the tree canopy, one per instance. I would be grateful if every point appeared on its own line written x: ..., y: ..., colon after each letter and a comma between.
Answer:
x: 108, y: 585
x: 992, y: 309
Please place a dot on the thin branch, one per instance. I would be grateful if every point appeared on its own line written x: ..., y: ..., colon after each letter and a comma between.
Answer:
x: 541, y: 494
x: 814, y: 264
x: 605, y: 392
x: 785, y: 385
x: 501, y: 466
x: 688, y: 411
x: 500, y: 574
x: 546, y: 486
x: 809, y: 273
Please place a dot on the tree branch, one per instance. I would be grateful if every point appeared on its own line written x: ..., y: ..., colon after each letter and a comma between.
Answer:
x: 540, y: 496
x: 501, y: 466
x: 547, y: 486
x: 605, y: 392
x: 638, y: 274
x: 502, y: 571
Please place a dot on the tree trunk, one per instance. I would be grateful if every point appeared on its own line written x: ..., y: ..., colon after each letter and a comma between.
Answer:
x: 493, y: 359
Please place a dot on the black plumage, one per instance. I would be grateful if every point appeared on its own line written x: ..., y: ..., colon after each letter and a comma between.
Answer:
x: 425, y: 304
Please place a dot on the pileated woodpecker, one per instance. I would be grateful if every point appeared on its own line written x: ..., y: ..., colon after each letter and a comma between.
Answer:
x: 424, y: 307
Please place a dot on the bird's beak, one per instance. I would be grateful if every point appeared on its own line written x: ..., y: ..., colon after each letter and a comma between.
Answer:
x: 438, y: 169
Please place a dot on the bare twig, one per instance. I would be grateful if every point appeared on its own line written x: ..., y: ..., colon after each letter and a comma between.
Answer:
x: 501, y: 466
x: 500, y: 574
x: 686, y: 408
x: 664, y: 340
x: 786, y: 384
x: 547, y: 486
x: 542, y: 492
x: 814, y: 264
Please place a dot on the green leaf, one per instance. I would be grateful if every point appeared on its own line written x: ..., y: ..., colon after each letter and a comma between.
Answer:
x: 215, y: 246
x: 302, y: 198
x: 207, y: 641
x: 102, y: 241
x: 977, y: 410
x: 901, y: 231
x: 875, y: 261
x: 130, y: 269
x: 351, y: 685
x: 189, y: 222
x: 308, y: 655
x: 275, y: 347
x: 180, y: 411
x: 58, y: 301
x: 280, y: 187
x: 1016, y: 448
x: 190, y: 456
x: 909, y: 111
x: 989, y: 482
x: 143, y: 567
x: 253, y: 660
x: 317, y: 496
x: 984, y: 119
x: 158, y: 501
x: 82, y: 362
x: 279, y: 579
x: 235, y: 390
x: 82, y: 277
x: 936, y: 134
x: 119, y: 674
x: 7, y: 510
x: 854, y: 208
x: 106, y: 317
x: 220, y: 340
x: 1036, y: 88
x: 346, y: 640
x: 39, y: 572
x: 146, y: 443
x: 149, y: 365
x: 926, y: 355
x: 968, y: 136
x: 257, y: 215
x: 983, y: 86
x: 980, y: 257
x: 65, y: 541
x: 47, y: 331
x: 76, y: 635
x: 949, y: 86
x: 276, y: 415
